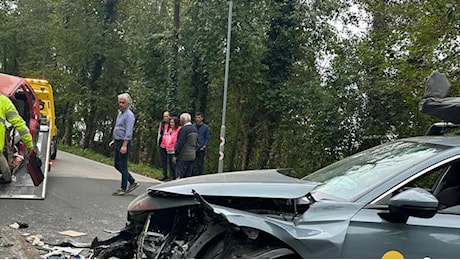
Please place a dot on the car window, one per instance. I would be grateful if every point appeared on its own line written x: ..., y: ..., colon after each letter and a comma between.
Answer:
x: 354, y: 176
x: 28, y: 92
x: 443, y: 182
x: 428, y: 181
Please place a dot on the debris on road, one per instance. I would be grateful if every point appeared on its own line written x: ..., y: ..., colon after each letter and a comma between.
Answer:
x: 14, y: 246
x: 17, y: 225
x: 63, y: 253
x: 72, y: 233
x: 35, y: 240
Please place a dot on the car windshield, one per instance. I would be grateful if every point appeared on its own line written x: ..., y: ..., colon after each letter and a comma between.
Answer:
x: 355, y: 175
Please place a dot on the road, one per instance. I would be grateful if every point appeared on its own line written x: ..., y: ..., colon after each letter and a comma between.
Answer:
x: 78, y: 197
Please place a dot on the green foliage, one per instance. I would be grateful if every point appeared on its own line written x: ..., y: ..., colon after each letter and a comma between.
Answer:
x: 301, y: 92
x: 402, y: 50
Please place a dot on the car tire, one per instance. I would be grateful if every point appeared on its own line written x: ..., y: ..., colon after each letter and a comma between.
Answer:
x: 221, y: 249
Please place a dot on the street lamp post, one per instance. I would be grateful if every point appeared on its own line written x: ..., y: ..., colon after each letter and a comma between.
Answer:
x: 224, y: 106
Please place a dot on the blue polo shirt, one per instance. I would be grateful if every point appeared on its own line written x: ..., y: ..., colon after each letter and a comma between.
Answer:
x: 203, y: 134
x: 124, y: 125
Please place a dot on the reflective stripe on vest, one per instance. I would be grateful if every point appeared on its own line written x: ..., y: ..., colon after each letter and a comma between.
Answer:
x: 10, y: 114
x: 24, y: 132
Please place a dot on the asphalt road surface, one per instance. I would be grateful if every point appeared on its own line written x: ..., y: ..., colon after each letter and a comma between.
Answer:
x: 79, y: 198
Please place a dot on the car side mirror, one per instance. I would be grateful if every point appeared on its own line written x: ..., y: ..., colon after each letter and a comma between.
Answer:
x: 415, y: 202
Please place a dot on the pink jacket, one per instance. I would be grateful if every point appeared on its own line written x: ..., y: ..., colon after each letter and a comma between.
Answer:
x: 163, y: 135
x: 171, y: 138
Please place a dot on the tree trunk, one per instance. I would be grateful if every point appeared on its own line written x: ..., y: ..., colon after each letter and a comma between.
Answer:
x: 173, y: 70
x: 5, y: 60
x: 264, y: 161
x: 135, y: 149
x: 90, y: 127
x: 68, y: 127
x: 244, y: 145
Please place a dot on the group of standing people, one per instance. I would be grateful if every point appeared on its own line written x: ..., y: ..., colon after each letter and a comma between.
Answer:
x: 182, y: 144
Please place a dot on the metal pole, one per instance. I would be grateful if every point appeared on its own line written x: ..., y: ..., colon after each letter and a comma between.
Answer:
x: 224, y: 106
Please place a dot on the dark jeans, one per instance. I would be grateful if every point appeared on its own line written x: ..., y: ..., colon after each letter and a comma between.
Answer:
x: 183, y: 169
x: 199, y: 161
x: 164, y: 161
x: 121, y: 164
x: 172, y: 166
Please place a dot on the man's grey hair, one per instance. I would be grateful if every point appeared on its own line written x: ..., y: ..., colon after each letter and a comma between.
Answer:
x: 126, y: 97
x: 186, y: 117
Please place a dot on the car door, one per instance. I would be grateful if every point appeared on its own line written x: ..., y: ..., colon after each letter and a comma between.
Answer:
x: 370, y: 236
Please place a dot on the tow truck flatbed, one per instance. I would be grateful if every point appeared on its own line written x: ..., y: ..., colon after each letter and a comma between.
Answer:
x: 22, y: 186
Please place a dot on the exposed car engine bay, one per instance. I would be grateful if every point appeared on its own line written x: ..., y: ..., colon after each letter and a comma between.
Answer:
x: 195, y: 231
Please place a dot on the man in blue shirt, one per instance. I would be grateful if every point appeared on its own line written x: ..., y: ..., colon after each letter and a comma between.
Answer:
x: 203, y: 140
x: 122, y: 135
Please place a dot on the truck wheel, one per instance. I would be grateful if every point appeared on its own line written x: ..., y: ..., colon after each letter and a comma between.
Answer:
x: 5, y: 169
x: 53, y: 150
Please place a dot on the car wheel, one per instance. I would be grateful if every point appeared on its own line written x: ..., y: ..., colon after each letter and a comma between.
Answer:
x: 221, y: 249
x: 5, y: 169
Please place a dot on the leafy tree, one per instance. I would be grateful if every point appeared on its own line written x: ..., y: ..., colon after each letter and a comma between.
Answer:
x: 300, y: 94
x: 400, y: 52
x: 147, y: 33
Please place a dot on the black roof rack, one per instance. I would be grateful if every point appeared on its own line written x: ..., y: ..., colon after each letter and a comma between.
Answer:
x: 440, y: 128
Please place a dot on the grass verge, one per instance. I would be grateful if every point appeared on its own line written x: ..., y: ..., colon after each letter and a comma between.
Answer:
x: 90, y: 154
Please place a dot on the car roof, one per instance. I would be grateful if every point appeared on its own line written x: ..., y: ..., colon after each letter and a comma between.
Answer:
x: 446, y: 140
x: 9, y: 84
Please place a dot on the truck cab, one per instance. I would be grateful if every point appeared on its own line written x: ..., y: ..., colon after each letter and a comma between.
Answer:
x: 44, y: 92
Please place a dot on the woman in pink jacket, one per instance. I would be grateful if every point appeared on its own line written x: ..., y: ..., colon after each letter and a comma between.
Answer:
x: 171, y: 138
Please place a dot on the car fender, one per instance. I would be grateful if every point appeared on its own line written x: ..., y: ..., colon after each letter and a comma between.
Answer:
x: 307, y: 238
x: 282, y: 230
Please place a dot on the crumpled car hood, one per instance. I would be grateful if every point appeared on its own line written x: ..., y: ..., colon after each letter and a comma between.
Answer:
x: 256, y: 183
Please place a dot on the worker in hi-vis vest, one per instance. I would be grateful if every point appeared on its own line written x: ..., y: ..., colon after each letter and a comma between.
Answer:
x: 9, y: 113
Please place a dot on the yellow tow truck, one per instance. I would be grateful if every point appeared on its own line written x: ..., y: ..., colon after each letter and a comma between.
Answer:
x: 44, y: 92
x: 27, y: 177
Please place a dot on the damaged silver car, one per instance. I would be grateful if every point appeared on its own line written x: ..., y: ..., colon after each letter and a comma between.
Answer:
x: 396, y: 199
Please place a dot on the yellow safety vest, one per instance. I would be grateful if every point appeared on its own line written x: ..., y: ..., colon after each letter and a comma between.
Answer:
x: 8, y: 112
